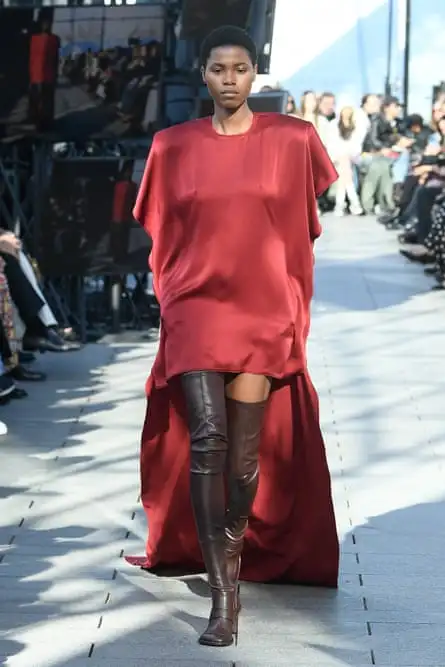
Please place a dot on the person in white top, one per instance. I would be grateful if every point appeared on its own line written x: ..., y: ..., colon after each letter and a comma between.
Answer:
x: 344, y: 144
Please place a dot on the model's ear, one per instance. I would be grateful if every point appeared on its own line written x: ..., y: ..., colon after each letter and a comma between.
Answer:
x: 203, y: 74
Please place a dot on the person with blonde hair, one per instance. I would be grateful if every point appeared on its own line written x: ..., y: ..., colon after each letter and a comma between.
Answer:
x: 309, y: 111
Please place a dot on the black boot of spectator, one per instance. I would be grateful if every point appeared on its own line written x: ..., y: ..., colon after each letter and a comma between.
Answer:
x: 22, y: 374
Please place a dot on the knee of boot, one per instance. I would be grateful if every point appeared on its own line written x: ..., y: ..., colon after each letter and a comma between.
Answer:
x: 208, y: 457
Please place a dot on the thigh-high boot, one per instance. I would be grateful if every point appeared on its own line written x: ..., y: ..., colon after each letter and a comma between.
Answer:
x: 244, y: 423
x: 205, y: 400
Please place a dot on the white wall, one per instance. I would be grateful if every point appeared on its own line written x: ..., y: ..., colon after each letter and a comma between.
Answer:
x: 341, y: 45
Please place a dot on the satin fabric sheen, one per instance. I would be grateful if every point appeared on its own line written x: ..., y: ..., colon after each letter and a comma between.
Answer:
x: 233, y: 220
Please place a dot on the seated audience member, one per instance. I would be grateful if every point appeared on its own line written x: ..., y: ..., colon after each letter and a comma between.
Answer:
x: 435, y: 242
x: 389, y: 163
x: 344, y: 147
x: 10, y: 342
x: 416, y: 129
x: 41, y: 326
x: 431, y: 186
x: 420, y: 133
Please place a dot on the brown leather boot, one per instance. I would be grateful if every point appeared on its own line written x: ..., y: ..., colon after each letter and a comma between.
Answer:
x: 204, y: 393
x: 244, y: 423
x: 207, y: 492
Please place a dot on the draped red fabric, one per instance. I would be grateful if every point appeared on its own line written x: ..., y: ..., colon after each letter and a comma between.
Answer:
x: 233, y: 220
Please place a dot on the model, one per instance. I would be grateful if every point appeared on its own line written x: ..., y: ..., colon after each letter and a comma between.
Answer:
x: 232, y: 420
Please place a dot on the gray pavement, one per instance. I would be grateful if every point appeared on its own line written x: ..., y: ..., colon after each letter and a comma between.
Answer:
x: 69, y: 503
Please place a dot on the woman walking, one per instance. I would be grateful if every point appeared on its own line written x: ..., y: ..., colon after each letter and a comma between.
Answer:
x: 232, y: 418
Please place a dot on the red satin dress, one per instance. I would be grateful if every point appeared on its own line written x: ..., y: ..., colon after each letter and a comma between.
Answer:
x: 233, y: 220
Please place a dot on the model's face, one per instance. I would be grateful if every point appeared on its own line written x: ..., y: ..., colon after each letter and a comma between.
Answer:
x: 441, y: 126
x: 229, y: 75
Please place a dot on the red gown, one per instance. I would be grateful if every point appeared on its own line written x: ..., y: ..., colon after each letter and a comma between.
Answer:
x: 233, y: 220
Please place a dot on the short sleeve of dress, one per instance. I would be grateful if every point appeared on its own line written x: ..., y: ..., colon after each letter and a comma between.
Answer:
x: 149, y: 198
x: 324, y: 173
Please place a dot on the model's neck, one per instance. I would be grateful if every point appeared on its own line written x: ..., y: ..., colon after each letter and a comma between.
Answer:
x: 236, y: 122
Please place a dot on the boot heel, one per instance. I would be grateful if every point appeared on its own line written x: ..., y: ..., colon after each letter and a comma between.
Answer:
x: 236, y: 615
x: 237, y: 606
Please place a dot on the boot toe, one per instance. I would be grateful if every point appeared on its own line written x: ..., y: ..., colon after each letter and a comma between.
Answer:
x: 219, y: 633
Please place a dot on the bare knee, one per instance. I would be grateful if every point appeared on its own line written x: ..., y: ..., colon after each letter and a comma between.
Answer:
x: 249, y: 388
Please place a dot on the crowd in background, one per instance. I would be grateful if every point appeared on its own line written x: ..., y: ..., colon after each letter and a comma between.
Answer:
x: 122, y: 76
x: 389, y: 164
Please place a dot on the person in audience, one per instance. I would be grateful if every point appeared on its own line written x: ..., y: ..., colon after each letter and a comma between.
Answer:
x: 326, y: 106
x: 43, y: 72
x: 369, y: 109
x: 405, y: 197
x: 10, y: 342
x: 231, y: 369
x: 344, y: 147
x: 41, y: 326
x: 309, y: 112
x: 431, y: 180
x: 124, y: 197
x: 437, y: 112
x: 435, y: 242
x: 389, y: 161
x: 7, y: 387
x: 437, y: 136
x: 291, y: 108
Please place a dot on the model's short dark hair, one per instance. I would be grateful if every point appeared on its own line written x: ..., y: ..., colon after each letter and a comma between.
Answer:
x: 228, y: 35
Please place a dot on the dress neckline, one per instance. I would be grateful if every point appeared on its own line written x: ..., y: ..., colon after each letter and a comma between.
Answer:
x: 233, y: 136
